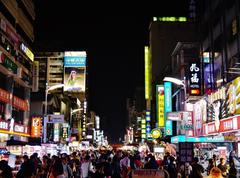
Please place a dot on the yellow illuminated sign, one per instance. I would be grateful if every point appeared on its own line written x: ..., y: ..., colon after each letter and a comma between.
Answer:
x: 156, y: 133
x: 27, y: 51
x: 147, y: 73
x: 160, y: 105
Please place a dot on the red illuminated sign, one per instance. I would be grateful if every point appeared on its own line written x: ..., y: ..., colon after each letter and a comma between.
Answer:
x: 19, y: 103
x: 4, y: 96
x: 225, y: 125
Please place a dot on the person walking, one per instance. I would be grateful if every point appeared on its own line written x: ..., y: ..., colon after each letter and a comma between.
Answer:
x: 232, y: 171
x: 223, y: 167
x: 197, y: 169
x: 210, y: 166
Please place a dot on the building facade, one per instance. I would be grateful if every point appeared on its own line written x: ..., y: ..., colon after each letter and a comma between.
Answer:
x: 17, y: 38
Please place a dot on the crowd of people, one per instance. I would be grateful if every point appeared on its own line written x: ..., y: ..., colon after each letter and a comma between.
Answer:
x: 113, y: 164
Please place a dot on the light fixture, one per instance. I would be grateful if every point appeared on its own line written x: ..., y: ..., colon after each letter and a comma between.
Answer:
x: 174, y: 80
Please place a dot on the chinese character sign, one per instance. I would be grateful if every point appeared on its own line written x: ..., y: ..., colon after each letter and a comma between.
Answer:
x: 160, y: 105
x: 194, y: 79
x: 36, y: 127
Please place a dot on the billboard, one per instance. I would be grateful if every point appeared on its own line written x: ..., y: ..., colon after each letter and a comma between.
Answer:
x: 75, y: 71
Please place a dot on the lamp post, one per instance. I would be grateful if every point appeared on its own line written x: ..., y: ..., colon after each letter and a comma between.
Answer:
x: 45, y: 109
x: 46, y: 93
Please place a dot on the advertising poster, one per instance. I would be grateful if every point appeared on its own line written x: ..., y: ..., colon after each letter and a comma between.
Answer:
x: 198, y: 116
x: 75, y: 71
x: 74, y: 79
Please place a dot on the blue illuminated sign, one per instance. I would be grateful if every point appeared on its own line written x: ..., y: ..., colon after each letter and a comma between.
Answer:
x: 74, y: 61
x: 183, y: 138
x: 168, y: 106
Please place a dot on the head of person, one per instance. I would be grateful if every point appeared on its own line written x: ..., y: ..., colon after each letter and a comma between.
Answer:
x: 25, y: 158
x: 195, y: 159
x: 215, y: 173
x: 222, y: 160
x: 87, y: 158
x: 73, y: 74
x: 64, y: 160
x: 210, y: 161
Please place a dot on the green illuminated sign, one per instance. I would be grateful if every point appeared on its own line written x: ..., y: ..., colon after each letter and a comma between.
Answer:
x: 170, y: 19
x: 8, y: 63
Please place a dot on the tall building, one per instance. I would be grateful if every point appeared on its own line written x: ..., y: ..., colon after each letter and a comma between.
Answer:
x: 17, y: 36
x: 62, y: 83
x: 165, y: 32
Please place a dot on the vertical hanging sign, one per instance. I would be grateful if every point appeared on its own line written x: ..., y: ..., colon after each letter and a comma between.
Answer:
x: 167, y: 106
x: 194, y: 79
x: 160, y: 105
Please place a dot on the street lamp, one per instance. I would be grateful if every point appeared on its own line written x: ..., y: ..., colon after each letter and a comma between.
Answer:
x: 46, y: 93
x: 45, y: 109
x: 177, y: 82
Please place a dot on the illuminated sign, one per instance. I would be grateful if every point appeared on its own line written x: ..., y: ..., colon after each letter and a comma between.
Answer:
x: 36, y: 127
x: 170, y: 19
x: 65, y: 132
x: 13, y: 128
x: 4, y: 96
x: 55, y: 118
x: 168, y: 128
x: 4, y: 125
x: 75, y: 59
x: 143, y: 128
x: 225, y: 125
x: 194, y: 78
x: 160, y: 105
x: 27, y: 51
x: 20, y: 103
x: 183, y: 138
x: 75, y: 71
x: 156, y: 133
x: 8, y: 63
x: 56, y: 132
x: 148, y: 127
x: 168, y: 104
x: 147, y: 59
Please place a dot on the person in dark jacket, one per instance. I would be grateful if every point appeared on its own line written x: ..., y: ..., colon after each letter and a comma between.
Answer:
x: 197, y: 169
x: 6, y: 170
x: 26, y: 169
x: 223, y: 167
x: 232, y: 171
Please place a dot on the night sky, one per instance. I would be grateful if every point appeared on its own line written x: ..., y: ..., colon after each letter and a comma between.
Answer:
x: 114, y: 39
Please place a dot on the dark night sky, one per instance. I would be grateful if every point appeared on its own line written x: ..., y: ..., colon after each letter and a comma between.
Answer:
x: 114, y: 40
